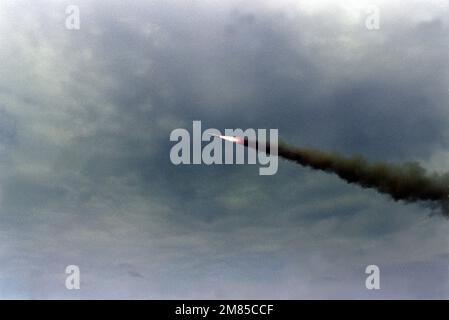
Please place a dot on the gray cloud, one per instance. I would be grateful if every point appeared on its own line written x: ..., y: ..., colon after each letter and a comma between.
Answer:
x: 85, y: 176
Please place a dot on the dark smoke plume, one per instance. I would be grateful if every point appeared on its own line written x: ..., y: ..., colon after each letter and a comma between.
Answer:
x: 408, y: 182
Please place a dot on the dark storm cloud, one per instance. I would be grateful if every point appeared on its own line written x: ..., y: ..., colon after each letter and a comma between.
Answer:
x: 375, y: 99
x: 86, y: 174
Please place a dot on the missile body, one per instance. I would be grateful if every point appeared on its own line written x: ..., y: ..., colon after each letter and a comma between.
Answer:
x: 254, y: 144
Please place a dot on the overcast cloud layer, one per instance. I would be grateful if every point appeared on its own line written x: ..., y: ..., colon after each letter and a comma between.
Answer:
x: 85, y: 173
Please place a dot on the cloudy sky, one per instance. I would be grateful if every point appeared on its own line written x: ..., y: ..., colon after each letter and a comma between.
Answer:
x: 85, y: 172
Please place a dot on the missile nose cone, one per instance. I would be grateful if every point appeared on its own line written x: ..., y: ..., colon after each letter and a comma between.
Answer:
x: 227, y: 138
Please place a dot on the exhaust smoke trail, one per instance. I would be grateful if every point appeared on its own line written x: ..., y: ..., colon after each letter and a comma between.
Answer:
x: 408, y: 182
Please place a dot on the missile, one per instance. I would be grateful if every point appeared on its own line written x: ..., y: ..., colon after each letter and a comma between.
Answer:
x: 244, y: 141
x: 228, y: 138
